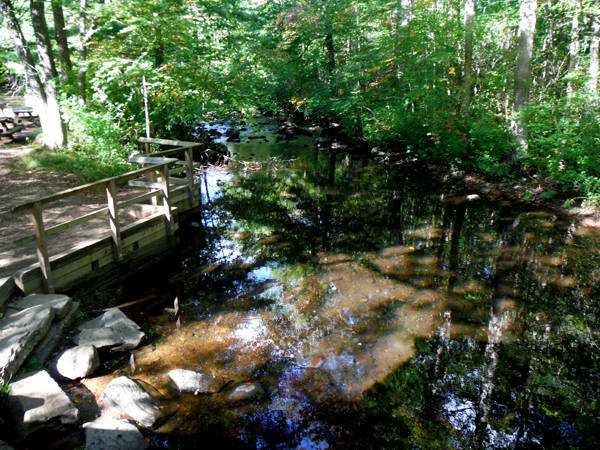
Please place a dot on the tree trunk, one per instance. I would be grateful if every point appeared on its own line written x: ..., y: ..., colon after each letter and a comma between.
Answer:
x: 43, y: 41
x: 594, y: 65
x: 52, y: 131
x: 406, y: 12
x: 64, y: 55
x: 523, y: 74
x: 467, y: 79
x: 55, y: 133
x: 574, y: 45
x: 83, y: 38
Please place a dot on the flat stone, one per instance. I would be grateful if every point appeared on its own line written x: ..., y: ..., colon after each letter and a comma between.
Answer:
x: 188, y: 381
x: 20, y: 331
x: 113, y: 328
x: 243, y: 392
x: 36, y: 403
x: 78, y: 362
x: 60, y: 304
x: 7, y: 287
x: 113, y: 435
x: 128, y: 396
x: 46, y: 346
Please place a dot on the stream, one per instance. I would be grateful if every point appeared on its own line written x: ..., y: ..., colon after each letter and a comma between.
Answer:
x: 375, y: 307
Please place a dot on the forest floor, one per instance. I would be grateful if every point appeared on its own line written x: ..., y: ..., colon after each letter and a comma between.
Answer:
x: 22, y: 183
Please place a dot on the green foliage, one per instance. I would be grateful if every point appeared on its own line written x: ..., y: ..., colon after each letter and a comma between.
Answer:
x: 4, y: 391
x: 96, y: 136
x: 30, y: 365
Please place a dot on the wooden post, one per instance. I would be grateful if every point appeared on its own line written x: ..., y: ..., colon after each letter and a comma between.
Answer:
x: 164, y: 170
x: 151, y: 176
x: 190, y: 174
x: 113, y: 215
x: 42, y: 251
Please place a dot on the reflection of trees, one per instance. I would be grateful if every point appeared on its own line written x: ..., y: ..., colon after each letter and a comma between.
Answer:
x: 336, y: 206
x: 496, y: 324
x: 501, y: 274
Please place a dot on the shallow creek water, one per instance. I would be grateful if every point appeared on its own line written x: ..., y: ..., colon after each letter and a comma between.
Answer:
x: 376, y: 308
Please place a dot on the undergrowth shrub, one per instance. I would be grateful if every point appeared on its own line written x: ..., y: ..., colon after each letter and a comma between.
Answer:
x: 95, y: 136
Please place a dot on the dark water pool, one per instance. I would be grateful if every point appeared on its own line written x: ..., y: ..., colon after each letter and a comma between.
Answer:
x: 377, y: 309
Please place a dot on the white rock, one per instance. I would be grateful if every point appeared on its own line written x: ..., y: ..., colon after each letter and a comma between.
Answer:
x: 128, y: 396
x: 20, y: 331
x: 78, y: 362
x: 37, y: 403
x: 113, y: 328
x: 191, y: 382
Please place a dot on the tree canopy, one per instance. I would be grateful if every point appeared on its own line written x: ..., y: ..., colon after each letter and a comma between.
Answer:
x: 503, y: 87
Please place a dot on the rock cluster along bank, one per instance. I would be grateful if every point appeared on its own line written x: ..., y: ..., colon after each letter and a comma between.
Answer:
x: 36, y: 407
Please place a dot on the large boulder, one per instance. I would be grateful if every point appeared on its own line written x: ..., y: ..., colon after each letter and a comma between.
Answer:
x: 20, y: 331
x: 60, y: 304
x: 46, y: 346
x: 37, y: 405
x: 111, y: 329
x: 113, y: 435
x: 187, y: 381
x: 78, y: 362
x: 128, y: 396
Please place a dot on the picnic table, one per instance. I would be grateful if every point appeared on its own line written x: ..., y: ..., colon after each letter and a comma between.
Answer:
x: 6, y: 130
x: 22, y: 113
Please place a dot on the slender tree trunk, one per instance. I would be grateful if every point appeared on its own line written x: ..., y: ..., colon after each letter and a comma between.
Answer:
x: 55, y: 134
x: 594, y: 61
x: 574, y: 45
x: 33, y: 78
x: 64, y: 55
x: 83, y: 38
x: 43, y: 41
x: 406, y: 12
x: 467, y: 79
x: 523, y: 74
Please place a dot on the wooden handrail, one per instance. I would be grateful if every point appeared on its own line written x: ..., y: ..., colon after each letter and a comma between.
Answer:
x: 167, y: 142
x: 88, y: 187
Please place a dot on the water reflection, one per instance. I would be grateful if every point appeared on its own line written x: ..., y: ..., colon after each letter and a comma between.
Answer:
x: 378, y: 310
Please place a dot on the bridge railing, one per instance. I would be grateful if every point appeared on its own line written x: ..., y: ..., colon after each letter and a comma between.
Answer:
x: 157, y: 163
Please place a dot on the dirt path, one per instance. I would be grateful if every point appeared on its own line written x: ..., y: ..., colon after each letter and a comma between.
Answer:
x: 19, y: 185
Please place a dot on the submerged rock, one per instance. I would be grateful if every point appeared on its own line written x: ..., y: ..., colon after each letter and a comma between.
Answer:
x: 113, y: 435
x: 78, y: 362
x: 243, y: 392
x: 188, y: 381
x: 37, y: 404
x: 113, y: 328
x: 128, y: 396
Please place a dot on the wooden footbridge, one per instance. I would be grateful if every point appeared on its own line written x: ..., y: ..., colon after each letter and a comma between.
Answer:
x: 159, y: 210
